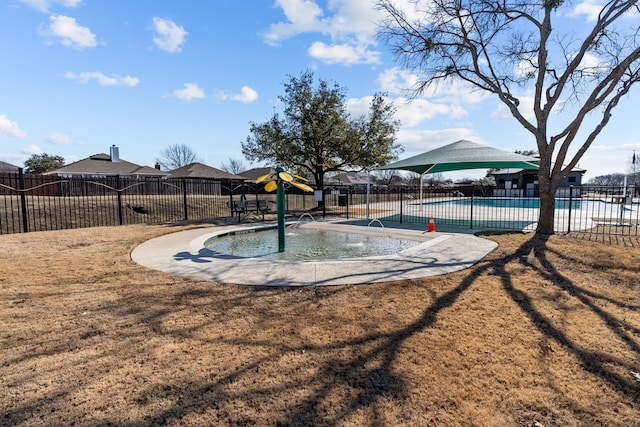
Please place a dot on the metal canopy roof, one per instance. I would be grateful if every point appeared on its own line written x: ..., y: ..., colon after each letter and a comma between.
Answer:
x: 462, y: 155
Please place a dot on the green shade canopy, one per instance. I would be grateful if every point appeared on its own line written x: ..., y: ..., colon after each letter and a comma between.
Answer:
x: 462, y: 155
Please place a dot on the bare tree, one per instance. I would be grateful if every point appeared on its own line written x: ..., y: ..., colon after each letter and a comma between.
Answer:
x: 507, y: 47
x: 177, y: 155
x: 385, y: 176
x: 234, y: 166
x: 607, y: 180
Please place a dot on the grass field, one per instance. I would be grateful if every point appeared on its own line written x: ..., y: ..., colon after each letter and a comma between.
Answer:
x: 543, y: 331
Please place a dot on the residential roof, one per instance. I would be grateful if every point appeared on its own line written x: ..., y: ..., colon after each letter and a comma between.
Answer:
x: 199, y: 170
x: 101, y: 164
x: 8, y: 167
x: 253, y: 174
x: 348, y: 178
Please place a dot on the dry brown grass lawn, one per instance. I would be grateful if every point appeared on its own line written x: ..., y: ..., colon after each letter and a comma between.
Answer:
x: 542, y: 331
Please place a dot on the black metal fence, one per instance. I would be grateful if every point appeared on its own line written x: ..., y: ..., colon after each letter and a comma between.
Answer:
x: 585, y: 209
x: 40, y: 203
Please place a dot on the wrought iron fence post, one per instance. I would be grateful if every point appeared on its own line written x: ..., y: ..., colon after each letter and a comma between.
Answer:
x: 471, y: 214
x: 184, y: 198
x: 324, y: 204
x: 401, y: 200
x: 23, y: 200
x: 119, y: 193
x: 346, y: 205
x: 570, y: 203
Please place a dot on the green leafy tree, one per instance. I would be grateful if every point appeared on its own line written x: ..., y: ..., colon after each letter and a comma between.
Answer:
x: 510, y: 47
x: 41, y: 163
x: 316, y: 135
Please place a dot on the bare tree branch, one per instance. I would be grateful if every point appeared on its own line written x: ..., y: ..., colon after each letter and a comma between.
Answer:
x: 505, y: 47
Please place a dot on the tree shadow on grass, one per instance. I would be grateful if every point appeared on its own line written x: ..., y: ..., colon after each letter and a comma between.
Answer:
x: 598, y: 363
x: 358, y: 373
x: 363, y: 380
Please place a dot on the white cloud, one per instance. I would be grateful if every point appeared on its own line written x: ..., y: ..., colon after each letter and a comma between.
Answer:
x: 103, y: 80
x: 45, y: 5
x: 303, y: 16
x: 412, y: 112
x: 70, y: 33
x: 525, y: 107
x: 13, y: 158
x: 169, y: 36
x: 343, y: 54
x: 344, y: 18
x: 11, y: 128
x: 418, y: 141
x: 398, y: 81
x: 31, y: 149
x: 409, y: 112
x: 525, y: 68
x: 191, y: 91
x: 588, y: 8
x: 591, y: 65
x: 58, y: 138
x: 246, y: 96
x: 456, y: 92
x: 71, y: 158
x: 608, y: 157
x: 349, y: 24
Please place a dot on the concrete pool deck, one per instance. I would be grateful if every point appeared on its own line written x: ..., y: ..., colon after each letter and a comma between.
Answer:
x: 183, y: 254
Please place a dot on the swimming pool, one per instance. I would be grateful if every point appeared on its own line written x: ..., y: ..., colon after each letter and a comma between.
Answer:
x: 501, y: 202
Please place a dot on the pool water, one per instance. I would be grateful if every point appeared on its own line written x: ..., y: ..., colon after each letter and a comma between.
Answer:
x: 522, y: 203
x: 305, y: 244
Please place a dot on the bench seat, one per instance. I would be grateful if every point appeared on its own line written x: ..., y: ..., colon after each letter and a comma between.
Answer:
x: 243, y: 208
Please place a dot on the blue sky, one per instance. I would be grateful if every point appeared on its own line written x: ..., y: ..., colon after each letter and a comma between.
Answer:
x: 81, y: 75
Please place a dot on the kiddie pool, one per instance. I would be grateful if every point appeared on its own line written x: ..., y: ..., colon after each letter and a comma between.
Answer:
x: 184, y: 254
x: 307, y: 243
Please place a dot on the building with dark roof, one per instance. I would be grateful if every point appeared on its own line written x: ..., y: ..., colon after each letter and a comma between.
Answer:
x: 107, y: 165
x: 252, y: 174
x: 199, y: 170
x: 347, y: 179
x: 8, y: 167
x: 524, y: 182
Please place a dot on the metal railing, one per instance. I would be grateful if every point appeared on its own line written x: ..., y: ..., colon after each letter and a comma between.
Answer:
x: 39, y: 203
x: 586, y: 209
